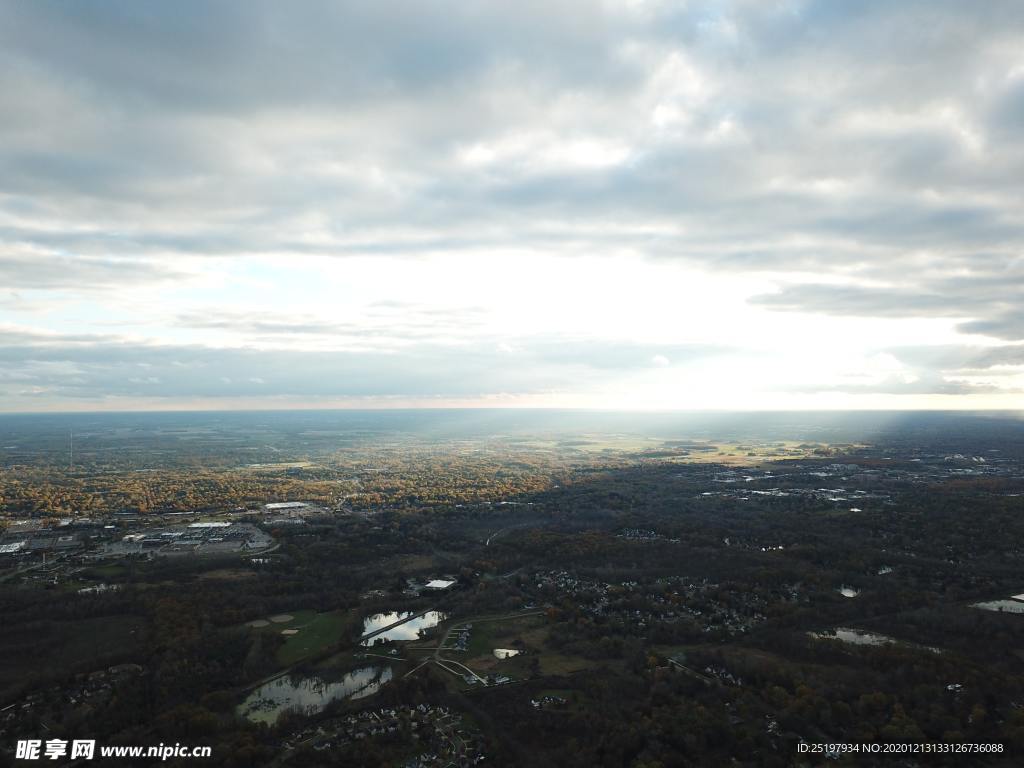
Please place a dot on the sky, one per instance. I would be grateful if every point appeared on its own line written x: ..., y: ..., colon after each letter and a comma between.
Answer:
x: 602, y: 204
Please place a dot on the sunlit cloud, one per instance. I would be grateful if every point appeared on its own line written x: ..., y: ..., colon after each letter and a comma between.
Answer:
x: 630, y: 203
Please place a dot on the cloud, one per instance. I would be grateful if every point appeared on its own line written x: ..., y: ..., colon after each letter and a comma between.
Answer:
x: 986, y: 292
x: 936, y: 385
x: 864, y: 159
x: 961, y: 357
x: 1008, y: 325
x: 222, y: 129
x: 857, y: 301
x: 380, y: 322
x: 74, y: 368
x: 54, y: 272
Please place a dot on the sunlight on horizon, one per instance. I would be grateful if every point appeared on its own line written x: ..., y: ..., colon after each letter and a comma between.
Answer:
x: 635, y: 205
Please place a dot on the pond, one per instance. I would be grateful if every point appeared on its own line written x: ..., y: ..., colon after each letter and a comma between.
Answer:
x: 408, y: 630
x: 856, y: 636
x: 309, y: 695
x: 505, y: 653
x: 1006, y: 606
x: 861, y: 637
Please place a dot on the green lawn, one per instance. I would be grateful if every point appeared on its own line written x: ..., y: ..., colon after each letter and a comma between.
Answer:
x: 555, y: 664
x: 488, y: 635
x: 299, y: 619
x: 316, y: 633
x: 341, y: 661
x: 481, y: 639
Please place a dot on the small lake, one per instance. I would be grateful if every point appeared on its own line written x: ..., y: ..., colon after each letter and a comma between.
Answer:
x: 860, y: 637
x: 505, y: 653
x: 846, y: 591
x: 1006, y: 606
x: 309, y: 695
x: 409, y: 630
x: 855, y: 636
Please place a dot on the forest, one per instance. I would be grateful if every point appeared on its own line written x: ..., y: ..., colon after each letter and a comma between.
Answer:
x: 675, y: 610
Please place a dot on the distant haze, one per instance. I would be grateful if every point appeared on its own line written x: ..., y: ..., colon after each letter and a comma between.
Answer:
x: 309, y: 432
x: 622, y: 204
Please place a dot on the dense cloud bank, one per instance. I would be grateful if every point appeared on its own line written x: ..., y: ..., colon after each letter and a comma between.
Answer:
x: 864, y: 159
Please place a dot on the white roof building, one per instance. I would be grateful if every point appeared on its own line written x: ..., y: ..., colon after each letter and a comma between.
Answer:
x: 286, y: 505
x: 439, y: 584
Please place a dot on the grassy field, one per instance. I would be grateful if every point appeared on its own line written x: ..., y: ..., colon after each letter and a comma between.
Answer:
x: 702, y: 452
x: 556, y: 664
x: 527, y: 634
x: 523, y: 633
x: 341, y: 662
x: 314, y: 633
x: 488, y: 635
